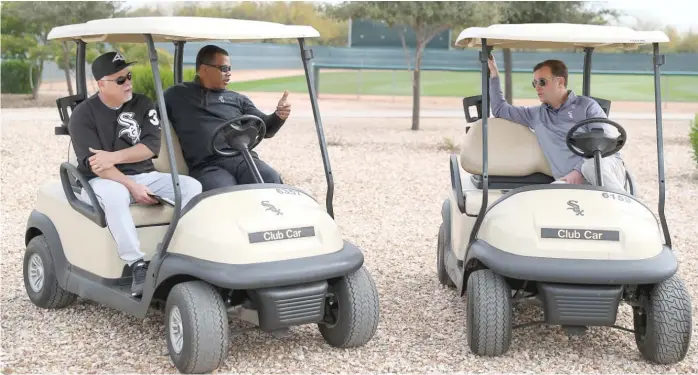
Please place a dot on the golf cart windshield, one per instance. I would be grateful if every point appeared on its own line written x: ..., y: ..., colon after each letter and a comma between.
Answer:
x: 554, y: 36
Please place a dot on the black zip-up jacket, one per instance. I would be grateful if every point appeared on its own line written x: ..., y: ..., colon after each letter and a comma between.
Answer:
x: 195, y: 111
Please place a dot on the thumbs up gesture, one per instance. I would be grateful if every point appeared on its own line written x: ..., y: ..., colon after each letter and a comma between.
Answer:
x: 283, y: 109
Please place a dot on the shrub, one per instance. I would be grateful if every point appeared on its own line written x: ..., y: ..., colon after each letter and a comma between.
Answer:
x: 694, y: 138
x: 143, y: 82
x: 15, y: 77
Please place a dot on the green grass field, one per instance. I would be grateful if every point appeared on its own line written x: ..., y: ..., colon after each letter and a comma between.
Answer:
x: 460, y: 84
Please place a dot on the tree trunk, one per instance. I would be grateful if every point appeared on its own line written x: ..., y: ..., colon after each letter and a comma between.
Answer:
x: 507, y: 75
x: 416, y: 84
x: 66, y: 69
x: 415, y: 98
x: 38, y: 71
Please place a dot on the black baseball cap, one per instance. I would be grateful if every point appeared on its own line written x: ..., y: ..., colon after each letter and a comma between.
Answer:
x: 109, y: 63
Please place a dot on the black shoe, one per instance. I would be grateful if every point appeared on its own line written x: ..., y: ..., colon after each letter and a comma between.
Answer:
x: 139, y: 271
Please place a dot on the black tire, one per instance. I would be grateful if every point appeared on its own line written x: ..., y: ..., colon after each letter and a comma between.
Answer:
x: 444, y: 279
x: 489, y: 313
x: 49, y: 295
x: 204, y: 327
x: 353, y: 319
x: 663, y: 328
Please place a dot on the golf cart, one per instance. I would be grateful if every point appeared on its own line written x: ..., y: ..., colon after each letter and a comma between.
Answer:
x: 509, y: 234
x: 268, y: 254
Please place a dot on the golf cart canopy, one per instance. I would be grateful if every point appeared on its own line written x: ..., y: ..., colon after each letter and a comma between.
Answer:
x: 558, y: 35
x: 170, y: 29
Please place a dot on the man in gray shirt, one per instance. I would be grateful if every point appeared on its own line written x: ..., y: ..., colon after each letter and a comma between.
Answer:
x: 551, y: 121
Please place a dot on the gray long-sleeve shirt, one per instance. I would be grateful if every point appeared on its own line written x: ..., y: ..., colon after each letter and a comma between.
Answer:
x: 552, y: 125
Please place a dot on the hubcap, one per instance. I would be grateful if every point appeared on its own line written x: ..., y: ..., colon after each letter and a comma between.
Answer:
x: 176, y: 330
x: 36, y: 273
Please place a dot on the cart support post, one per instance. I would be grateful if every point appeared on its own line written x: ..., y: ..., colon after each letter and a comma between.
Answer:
x: 165, y: 123
x: 657, y: 61
x: 306, y: 56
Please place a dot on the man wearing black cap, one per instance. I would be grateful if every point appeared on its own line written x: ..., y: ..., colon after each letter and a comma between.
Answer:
x: 115, y: 134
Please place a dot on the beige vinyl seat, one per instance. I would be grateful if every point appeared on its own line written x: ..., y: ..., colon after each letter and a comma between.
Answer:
x: 160, y: 214
x: 513, y: 150
x: 514, y: 154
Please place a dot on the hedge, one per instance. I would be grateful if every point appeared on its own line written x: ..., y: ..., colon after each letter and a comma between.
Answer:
x: 15, y: 77
x: 143, y: 82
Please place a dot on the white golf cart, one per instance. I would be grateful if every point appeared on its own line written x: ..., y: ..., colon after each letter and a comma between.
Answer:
x: 268, y: 254
x: 509, y: 234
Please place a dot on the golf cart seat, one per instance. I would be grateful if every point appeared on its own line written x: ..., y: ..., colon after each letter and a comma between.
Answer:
x: 515, y: 157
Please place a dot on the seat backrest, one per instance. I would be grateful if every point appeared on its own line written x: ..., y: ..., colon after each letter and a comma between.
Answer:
x: 162, y: 162
x: 513, y: 150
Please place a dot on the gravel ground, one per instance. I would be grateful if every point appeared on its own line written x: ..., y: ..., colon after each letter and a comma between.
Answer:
x: 389, y: 186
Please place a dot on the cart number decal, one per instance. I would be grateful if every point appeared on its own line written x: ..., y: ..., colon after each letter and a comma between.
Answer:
x: 283, y: 234
x: 580, y: 234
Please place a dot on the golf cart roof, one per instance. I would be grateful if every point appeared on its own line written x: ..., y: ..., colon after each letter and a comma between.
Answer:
x: 558, y: 35
x: 171, y: 29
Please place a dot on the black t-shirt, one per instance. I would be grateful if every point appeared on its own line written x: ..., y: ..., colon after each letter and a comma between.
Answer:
x: 94, y: 124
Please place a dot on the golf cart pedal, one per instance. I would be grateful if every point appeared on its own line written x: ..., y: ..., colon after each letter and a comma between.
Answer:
x: 580, y: 305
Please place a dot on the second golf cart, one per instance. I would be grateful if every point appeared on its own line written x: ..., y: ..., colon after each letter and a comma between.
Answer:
x: 509, y: 234
x: 268, y: 254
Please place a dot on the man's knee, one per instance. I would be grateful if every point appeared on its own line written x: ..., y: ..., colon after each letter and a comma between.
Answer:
x: 612, y: 172
x: 269, y: 174
x: 190, y: 188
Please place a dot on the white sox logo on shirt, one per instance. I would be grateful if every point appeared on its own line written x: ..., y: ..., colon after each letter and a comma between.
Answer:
x: 129, y: 126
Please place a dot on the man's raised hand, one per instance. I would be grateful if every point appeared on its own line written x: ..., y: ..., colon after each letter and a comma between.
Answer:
x: 283, y: 109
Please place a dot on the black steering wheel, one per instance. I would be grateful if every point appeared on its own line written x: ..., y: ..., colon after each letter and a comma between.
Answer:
x: 240, y: 133
x: 595, y: 140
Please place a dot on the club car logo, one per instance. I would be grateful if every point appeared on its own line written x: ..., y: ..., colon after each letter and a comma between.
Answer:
x: 271, y: 207
x: 575, y: 207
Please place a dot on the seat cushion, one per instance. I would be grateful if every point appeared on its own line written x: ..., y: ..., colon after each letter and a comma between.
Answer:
x: 162, y: 162
x: 513, y: 150
x: 145, y: 214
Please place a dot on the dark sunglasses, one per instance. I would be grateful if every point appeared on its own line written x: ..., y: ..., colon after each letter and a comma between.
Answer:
x: 222, y: 68
x: 539, y: 82
x: 121, y: 80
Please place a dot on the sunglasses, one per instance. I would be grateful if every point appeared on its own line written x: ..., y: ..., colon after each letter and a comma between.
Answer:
x: 539, y: 82
x: 121, y: 80
x: 222, y: 68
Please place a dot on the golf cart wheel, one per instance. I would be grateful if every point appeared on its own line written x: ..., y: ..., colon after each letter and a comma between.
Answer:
x: 40, y: 277
x: 489, y: 313
x: 441, y: 259
x: 663, y: 327
x: 196, y: 324
x: 351, y: 311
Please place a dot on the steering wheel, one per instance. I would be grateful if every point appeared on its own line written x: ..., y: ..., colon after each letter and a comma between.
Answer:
x: 240, y: 134
x: 586, y: 144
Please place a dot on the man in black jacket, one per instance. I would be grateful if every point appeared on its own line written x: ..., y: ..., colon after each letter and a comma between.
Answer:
x: 196, y: 108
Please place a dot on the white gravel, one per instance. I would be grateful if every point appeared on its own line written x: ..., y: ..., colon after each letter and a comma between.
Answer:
x: 389, y: 186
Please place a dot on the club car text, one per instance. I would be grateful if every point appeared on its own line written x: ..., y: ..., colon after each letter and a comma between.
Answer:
x: 282, y: 234
x: 580, y: 234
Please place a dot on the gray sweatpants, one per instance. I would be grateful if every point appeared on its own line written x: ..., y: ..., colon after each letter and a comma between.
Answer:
x: 115, y: 200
